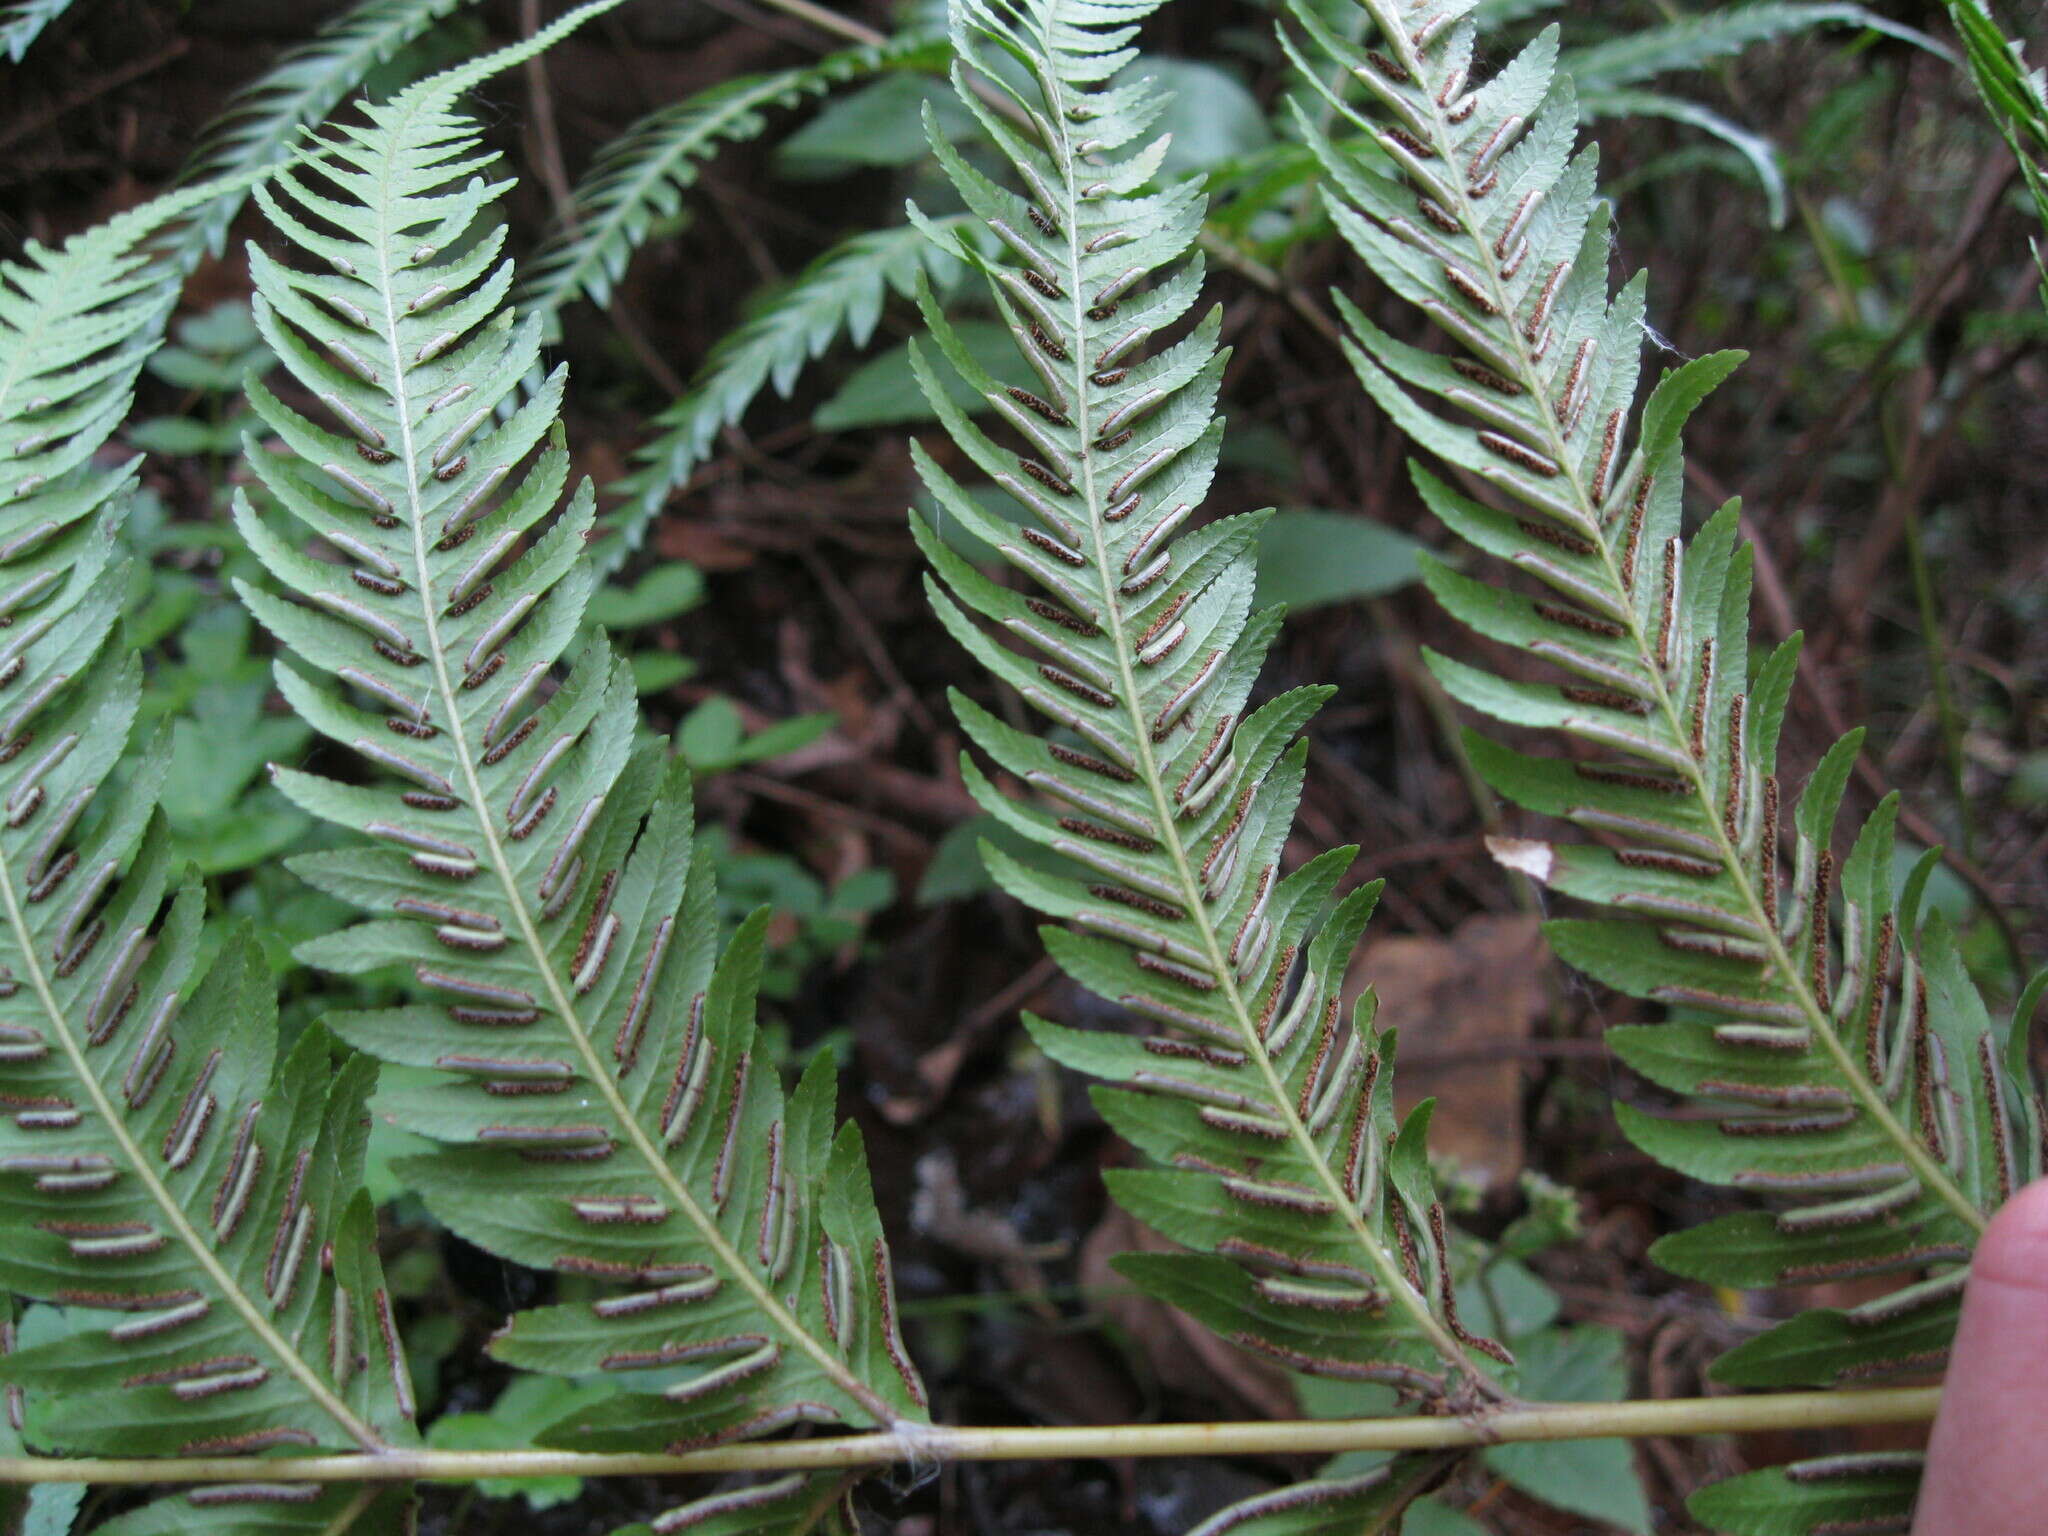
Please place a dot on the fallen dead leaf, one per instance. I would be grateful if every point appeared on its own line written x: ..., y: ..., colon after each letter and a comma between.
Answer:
x: 679, y: 537
x: 1457, y: 1002
x: 1183, y: 1354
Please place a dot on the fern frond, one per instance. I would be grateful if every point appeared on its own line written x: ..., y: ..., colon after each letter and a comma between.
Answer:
x: 1759, y: 152
x: 839, y: 294
x: 2017, y: 99
x: 261, y: 126
x: 1850, y: 1070
x: 24, y: 21
x: 1609, y: 74
x: 1693, y: 42
x: 639, y: 177
x: 1166, y: 799
x: 156, y: 1164
x: 585, y: 1058
x: 76, y: 325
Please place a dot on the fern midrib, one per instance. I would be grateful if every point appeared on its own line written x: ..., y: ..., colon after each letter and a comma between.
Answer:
x: 167, y: 1203
x: 529, y: 932
x: 1396, y: 1282
x: 1819, y: 1024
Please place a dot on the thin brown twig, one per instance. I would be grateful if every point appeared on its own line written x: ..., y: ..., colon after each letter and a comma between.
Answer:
x: 1815, y: 446
x: 1259, y: 275
x: 1043, y: 972
x: 869, y: 643
x: 837, y: 810
x: 766, y: 269
x: 540, y: 120
x: 112, y: 80
x: 628, y: 326
x: 817, y: 16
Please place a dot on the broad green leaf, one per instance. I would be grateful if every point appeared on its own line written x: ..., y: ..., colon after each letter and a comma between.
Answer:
x: 1593, y: 1478
x: 884, y: 392
x: 1307, y: 559
x: 516, y: 1421
x: 668, y: 591
x: 879, y: 124
x: 710, y: 735
x: 1212, y: 117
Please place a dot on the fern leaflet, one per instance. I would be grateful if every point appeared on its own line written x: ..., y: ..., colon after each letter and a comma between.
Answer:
x: 1321, y: 1243
x: 1693, y: 42
x: 640, y: 176
x: 264, y: 120
x: 589, y: 1059
x: 2017, y: 99
x: 1359, y: 1504
x: 1608, y: 74
x: 1850, y: 1069
x: 793, y: 324
x: 24, y: 21
x: 156, y: 1163
x: 841, y: 293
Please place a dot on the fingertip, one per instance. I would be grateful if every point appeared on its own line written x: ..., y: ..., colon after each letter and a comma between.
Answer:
x: 1985, y: 1476
x: 2014, y: 1248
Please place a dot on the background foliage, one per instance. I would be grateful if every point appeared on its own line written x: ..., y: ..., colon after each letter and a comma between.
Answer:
x: 1828, y: 196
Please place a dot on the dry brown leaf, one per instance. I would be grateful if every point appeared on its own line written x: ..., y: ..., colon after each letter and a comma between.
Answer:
x: 683, y: 538
x: 1458, y: 1001
x: 1183, y: 1354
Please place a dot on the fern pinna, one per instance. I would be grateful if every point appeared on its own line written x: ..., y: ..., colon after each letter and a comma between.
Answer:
x: 639, y: 178
x: 2016, y: 96
x: 590, y: 1062
x: 1163, y: 799
x: 841, y: 292
x: 1849, y: 1071
x: 263, y: 120
x: 22, y: 22
x: 193, y: 1202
